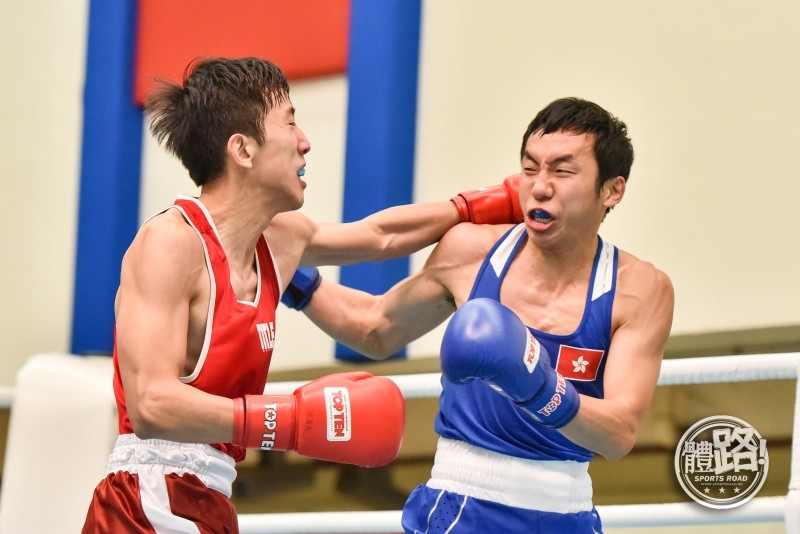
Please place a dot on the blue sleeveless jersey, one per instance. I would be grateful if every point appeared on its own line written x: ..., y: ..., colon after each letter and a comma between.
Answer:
x: 477, y: 414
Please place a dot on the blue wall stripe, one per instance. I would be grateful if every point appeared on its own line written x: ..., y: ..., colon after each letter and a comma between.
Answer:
x: 379, y: 158
x: 108, y: 208
x: 381, y: 127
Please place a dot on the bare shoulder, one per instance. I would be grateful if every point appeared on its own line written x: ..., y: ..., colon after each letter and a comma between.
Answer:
x: 166, y: 247
x: 458, y: 256
x: 639, y: 275
x: 165, y: 231
x: 645, y: 290
x: 290, y: 224
x: 468, y: 242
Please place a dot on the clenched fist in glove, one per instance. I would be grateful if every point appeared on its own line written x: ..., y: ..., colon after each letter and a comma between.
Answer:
x: 496, y: 204
x: 353, y: 418
x: 487, y: 341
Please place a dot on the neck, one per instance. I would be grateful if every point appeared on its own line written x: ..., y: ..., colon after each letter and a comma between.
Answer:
x: 562, y: 264
x: 239, y: 219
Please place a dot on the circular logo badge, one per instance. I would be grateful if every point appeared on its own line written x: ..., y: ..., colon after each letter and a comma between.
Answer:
x: 721, y: 462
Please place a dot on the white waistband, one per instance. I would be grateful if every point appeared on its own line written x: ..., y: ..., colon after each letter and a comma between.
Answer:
x: 133, y: 455
x: 549, y: 486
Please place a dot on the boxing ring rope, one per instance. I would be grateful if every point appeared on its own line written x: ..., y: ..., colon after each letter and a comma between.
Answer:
x: 702, y: 370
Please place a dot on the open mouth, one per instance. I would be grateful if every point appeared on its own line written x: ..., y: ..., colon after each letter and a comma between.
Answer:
x: 540, y: 216
x: 301, y: 172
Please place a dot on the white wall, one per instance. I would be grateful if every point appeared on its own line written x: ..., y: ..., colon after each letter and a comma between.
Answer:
x: 708, y: 90
x: 43, y: 44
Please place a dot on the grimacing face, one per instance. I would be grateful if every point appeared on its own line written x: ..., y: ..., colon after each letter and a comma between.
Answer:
x: 558, y: 187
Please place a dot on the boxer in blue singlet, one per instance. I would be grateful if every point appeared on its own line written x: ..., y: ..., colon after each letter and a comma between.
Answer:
x: 554, y: 346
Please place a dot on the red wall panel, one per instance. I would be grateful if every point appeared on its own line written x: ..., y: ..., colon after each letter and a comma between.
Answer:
x: 304, y: 37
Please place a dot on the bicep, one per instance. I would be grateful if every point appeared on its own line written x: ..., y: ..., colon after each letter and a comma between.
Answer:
x: 151, y: 333
x: 341, y: 244
x: 295, y: 239
x: 631, y: 375
x: 637, y: 346
x: 390, y: 233
x: 152, y: 317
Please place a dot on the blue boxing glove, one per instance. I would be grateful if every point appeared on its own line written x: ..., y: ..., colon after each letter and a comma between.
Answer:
x: 298, y: 294
x: 487, y: 341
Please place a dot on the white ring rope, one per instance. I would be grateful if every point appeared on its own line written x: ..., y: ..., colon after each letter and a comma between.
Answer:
x: 705, y: 370
x: 702, y: 370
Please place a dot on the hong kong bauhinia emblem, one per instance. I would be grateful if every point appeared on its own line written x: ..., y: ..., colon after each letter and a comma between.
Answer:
x: 721, y: 462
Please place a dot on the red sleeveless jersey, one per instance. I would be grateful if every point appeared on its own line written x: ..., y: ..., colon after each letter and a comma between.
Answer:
x: 239, y: 336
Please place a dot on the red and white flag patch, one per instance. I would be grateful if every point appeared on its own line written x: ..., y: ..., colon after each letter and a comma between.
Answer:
x: 578, y: 363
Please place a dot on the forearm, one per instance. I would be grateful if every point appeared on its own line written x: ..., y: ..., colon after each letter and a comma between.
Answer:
x: 376, y: 326
x: 178, y: 412
x: 604, y: 428
x: 351, y: 317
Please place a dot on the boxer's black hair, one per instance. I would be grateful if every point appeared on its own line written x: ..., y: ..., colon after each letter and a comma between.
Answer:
x: 613, y: 149
x: 218, y: 97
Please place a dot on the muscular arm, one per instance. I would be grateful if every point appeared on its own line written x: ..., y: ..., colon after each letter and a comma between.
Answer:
x: 159, y: 280
x: 391, y: 233
x: 402, y: 230
x: 609, y: 426
x: 377, y: 326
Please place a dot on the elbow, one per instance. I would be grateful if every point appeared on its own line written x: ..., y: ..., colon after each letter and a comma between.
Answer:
x: 143, y: 427
x: 376, y: 346
x: 619, y: 447
x: 144, y: 418
x: 617, y: 452
x: 371, y: 339
x: 375, y: 349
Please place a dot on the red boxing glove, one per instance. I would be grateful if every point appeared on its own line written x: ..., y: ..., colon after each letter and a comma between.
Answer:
x: 497, y: 204
x: 353, y: 418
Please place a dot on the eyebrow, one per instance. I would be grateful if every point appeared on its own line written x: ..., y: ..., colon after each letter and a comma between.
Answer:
x: 566, y: 158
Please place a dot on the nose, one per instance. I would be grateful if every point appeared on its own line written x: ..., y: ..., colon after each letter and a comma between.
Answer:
x: 542, y: 186
x: 303, y: 144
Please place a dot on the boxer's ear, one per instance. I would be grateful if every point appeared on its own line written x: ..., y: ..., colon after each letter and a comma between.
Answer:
x: 240, y: 150
x: 612, y: 191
